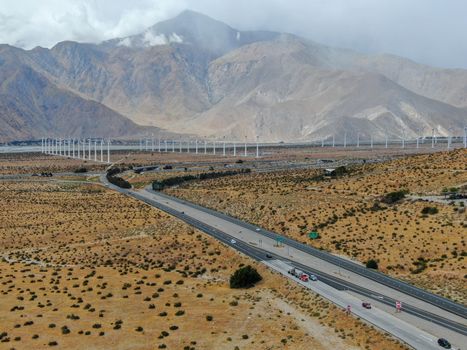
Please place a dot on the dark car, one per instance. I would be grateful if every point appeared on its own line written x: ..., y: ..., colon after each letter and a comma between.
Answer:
x: 366, y: 305
x: 444, y: 343
x: 269, y: 256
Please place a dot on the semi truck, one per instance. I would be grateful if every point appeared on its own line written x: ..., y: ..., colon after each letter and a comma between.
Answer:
x: 302, y: 276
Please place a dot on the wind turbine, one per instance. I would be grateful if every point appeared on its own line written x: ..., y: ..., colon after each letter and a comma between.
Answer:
x: 245, y: 148
x: 108, y: 151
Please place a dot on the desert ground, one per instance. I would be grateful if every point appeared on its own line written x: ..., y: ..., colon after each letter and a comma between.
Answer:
x: 84, y: 267
x: 425, y: 249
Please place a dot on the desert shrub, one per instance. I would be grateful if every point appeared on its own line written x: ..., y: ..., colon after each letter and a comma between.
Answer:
x: 115, y: 180
x: 245, y: 277
x: 393, y: 197
x: 177, y: 180
x: 421, y: 265
x: 429, y: 210
x: 81, y: 170
x: 372, y: 264
x: 118, y: 181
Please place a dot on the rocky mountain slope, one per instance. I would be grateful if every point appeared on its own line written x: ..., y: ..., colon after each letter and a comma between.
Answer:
x: 195, y: 75
x: 31, y: 106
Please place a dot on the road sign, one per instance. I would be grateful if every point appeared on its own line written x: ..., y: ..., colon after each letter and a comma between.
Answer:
x: 313, y: 235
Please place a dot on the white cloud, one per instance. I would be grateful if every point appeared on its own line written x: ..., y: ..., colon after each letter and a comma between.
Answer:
x: 125, y: 42
x: 151, y: 39
x: 429, y: 31
x: 30, y: 23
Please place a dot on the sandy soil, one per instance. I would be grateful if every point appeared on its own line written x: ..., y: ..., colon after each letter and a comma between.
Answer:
x: 84, y: 267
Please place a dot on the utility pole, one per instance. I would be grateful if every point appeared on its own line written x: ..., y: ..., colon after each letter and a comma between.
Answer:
x: 205, y: 146
x: 234, y: 149
x: 345, y: 139
x: 333, y: 141
x: 358, y: 139
x: 214, y: 147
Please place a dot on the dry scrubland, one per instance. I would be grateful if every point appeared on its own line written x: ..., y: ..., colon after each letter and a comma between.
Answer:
x: 29, y: 163
x: 428, y: 250
x: 84, y: 267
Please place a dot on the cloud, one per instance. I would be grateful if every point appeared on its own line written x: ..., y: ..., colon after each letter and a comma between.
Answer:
x: 427, y: 31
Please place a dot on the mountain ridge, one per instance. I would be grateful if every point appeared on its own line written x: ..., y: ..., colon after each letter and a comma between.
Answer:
x: 193, y: 74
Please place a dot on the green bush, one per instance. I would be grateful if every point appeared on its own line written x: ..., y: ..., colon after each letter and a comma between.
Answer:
x: 393, y: 197
x: 81, y: 170
x: 429, y: 210
x: 245, y: 277
x: 177, y: 180
x: 372, y: 264
x: 118, y: 181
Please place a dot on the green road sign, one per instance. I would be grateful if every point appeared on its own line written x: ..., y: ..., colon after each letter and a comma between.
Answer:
x: 313, y: 235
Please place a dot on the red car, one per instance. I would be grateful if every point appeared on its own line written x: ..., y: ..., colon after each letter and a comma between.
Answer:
x: 366, y: 305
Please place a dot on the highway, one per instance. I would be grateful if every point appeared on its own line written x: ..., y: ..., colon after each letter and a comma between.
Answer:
x: 378, y: 287
x: 379, y: 277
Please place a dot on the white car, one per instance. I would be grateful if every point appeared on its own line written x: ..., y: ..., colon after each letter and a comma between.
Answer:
x: 233, y: 241
x: 258, y: 229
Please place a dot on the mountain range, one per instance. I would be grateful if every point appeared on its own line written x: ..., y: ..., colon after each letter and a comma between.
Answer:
x: 195, y: 75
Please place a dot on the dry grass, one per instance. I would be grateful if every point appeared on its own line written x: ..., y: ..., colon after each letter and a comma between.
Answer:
x: 343, y: 211
x: 84, y: 267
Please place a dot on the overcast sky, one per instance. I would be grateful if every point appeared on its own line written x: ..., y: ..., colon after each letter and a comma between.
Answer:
x: 427, y: 31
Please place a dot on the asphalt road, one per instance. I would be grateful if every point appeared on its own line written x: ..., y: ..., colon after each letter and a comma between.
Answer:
x: 259, y: 254
x: 406, y: 288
